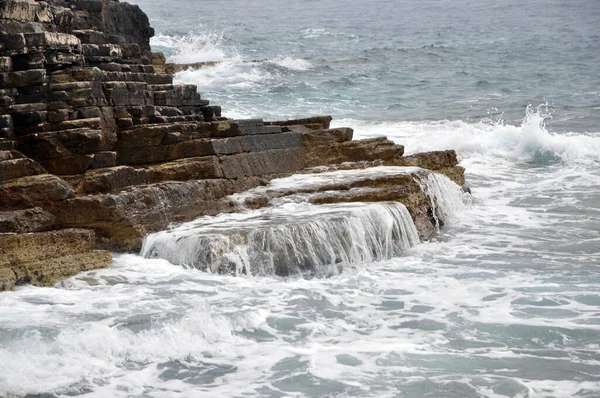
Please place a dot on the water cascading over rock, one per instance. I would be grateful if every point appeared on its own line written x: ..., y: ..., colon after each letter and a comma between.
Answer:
x: 293, y: 234
x: 301, y: 239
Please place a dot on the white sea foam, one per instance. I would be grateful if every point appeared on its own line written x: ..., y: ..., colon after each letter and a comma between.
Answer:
x: 146, y: 327
x: 292, y: 63
x: 194, y: 47
x: 528, y: 141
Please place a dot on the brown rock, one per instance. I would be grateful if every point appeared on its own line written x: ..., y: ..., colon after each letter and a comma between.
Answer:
x: 40, y: 190
x: 68, y: 165
x: 50, y: 271
x: 186, y: 169
x: 16, y: 249
x: 111, y: 179
x: 443, y: 162
x: 43, y: 258
x: 16, y: 168
x: 313, y: 123
x: 29, y: 220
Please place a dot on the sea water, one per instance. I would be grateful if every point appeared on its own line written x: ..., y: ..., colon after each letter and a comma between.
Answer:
x: 505, y: 302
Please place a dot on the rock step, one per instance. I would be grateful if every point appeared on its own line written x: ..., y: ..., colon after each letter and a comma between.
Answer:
x: 6, y: 144
x: 352, y: 151
x: 33, y: 191
x: 165, y: 142
x: 28, y: 220
x: 312, y: 123
x: 234, y: 128
x: 26, y: 11
x: 138, y: 76
x: 134, y: 68
x: 16, y: 168
x: 43, y: 258
x: 33, y: 77
x: 178, y: 96
x: 90, y: 36
x: 35, y: 122
x: 78, y: 140
x: 159, y: 134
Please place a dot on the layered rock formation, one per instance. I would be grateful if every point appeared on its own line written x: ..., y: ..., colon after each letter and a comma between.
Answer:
x: 97, y: 149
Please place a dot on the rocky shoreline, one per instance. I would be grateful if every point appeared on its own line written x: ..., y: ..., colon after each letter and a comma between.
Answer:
x: 98, y: 147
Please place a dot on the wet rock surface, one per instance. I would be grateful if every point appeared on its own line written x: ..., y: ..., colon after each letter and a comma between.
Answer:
x: 94, y: 135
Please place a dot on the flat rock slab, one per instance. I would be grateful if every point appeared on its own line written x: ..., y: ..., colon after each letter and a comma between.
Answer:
x: 43, y: 258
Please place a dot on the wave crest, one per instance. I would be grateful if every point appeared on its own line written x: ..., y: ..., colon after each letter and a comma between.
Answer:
x: 529, y: 141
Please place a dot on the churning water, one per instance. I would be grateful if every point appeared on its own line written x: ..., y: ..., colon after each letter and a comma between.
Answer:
x: 505, y: 302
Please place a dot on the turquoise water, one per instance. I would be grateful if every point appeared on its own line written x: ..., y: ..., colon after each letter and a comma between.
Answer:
x: 504, y: 303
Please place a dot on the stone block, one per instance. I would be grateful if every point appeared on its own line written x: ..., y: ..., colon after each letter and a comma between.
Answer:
x: 274, y: 162
x: 5, y: 64
x: 227, y: 146
x: 26, y: 11
x: 42, y: 146
x: 434, y: 160
x: 22, y: 79
x: 104, y: 159
x: 12, y: 44
x: 59, y: 60
x: 130, y: 50
x: 68, y: 165
x: 144, y: 155
x: 186, y: 169
x: 33, y: 191
x: 325, y: 137
x: 50, y: 271
x: 234, y: 128
x: 188, y: 149
x: 313, y: 123
x: 79, y: 74
x: 25, y: 108
x: 16, y: 249
x: 106, y: 52
x: 152, y: 78
x: 16, y: 168
x: 90, y: 36
x: 28, y: 118
x: 266, y: 142
x: 90, y: 123
x: 28, y: 220
x: 111, y: 179
x: 58, y: 115
x: 81, y: 140
x: 52, y: 41
x: 154, y: 135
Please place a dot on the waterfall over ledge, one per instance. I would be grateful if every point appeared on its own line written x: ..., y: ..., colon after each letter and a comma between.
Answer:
x: 301, y: 230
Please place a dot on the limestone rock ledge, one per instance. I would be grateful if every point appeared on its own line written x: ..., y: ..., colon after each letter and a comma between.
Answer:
x: 99, y: 148
x: 44, y: 258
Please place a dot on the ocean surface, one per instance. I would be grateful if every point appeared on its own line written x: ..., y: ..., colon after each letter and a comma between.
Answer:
x: 505, y: 302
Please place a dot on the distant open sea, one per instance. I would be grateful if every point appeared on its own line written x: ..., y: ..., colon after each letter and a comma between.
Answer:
x: 505, y: 302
